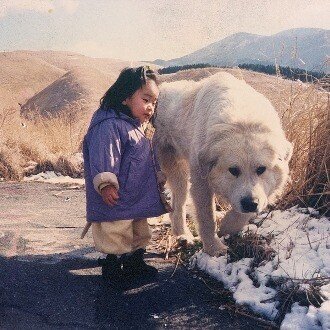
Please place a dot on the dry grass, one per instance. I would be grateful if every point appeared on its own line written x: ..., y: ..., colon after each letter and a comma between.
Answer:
x: 307, y: 292
x: 307, y: 125
x: 250, y: 245
x: 29, y: 147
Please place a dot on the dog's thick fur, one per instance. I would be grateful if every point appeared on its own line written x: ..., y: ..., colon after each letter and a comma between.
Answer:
x: 228, y: 138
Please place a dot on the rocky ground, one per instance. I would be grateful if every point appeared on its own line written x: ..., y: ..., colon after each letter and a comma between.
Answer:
x: 49, y: 277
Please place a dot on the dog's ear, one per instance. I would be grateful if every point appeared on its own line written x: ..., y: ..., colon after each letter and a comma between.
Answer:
x: 289, y: 151
x: 286, y: 152
x: 281, y: 146
x: 206, y: 162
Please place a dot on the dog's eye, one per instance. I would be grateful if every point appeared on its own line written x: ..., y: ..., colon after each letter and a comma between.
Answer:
x: 234, y: 171
x: 261, y: 169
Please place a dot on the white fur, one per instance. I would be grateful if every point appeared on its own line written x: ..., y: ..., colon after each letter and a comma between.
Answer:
x: 204, y: 128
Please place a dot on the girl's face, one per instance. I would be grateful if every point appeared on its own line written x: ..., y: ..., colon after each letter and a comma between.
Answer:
x: 142, y: 103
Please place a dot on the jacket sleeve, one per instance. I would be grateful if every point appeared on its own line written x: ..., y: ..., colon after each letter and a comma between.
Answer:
x: 105, y: 151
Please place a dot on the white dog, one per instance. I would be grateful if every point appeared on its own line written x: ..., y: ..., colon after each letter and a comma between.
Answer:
x: 229, y: 139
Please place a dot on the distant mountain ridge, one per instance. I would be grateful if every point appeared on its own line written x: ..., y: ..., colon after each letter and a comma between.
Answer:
x: 305, y: 48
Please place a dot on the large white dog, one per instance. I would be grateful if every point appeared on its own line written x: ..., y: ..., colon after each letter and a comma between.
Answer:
x: 228, y: 138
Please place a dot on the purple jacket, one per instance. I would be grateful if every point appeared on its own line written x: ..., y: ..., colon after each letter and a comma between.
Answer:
x: 117, y: 152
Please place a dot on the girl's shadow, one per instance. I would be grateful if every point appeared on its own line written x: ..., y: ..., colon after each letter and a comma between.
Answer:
x: 68, y: 290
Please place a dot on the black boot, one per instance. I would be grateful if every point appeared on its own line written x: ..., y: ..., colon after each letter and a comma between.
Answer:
x: 112, y: 272
x: 135, y: 266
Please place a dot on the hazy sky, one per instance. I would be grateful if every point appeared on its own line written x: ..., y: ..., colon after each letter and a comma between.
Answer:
x: 147, y: 29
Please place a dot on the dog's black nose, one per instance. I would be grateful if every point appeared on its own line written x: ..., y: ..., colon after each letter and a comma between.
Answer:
x: 249, y: 204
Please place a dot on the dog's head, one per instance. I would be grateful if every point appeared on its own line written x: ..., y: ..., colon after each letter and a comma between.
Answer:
x: 248, y: 166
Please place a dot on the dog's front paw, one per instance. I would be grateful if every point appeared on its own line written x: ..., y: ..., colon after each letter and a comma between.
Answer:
x: 215, y: 248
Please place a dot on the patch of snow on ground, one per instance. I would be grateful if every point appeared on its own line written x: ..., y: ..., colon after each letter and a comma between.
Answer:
x: 52, y: 177
x: 302, y: 245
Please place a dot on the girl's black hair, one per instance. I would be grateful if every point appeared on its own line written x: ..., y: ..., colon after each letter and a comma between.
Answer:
x: 128, y: 82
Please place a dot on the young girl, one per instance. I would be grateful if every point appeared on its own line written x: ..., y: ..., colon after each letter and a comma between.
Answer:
x: 122, y: 189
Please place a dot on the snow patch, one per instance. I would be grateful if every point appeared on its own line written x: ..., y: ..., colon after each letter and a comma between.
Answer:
x: 302, y: 245
x: 53, y: 177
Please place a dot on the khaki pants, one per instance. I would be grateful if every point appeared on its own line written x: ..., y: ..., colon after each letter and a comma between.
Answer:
x: 121, y: 236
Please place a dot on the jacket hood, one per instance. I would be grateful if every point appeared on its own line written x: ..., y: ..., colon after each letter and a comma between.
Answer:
x: 102, y: 114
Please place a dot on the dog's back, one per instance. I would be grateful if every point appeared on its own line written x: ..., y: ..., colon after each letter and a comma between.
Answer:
x: 184, y: 106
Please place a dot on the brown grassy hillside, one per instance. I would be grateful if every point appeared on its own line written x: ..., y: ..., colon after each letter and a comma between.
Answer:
x: 79, y: 90
x: 21, y: 77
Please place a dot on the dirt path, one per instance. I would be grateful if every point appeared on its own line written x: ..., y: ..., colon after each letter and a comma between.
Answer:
x: 49, y: 277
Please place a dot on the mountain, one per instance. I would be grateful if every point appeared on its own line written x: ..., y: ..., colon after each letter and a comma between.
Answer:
x: 22, y: 76
x: 78, y: 92
x: 304, y: 48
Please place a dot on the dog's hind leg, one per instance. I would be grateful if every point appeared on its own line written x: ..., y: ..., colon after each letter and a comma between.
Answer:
x: 176, y: 171
x: 205, y: 209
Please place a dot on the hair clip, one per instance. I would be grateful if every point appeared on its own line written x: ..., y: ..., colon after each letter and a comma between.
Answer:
x: 146, y: 69
x: 143, y: 74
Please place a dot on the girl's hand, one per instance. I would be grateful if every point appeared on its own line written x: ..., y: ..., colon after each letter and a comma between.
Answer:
x: 110, y: 195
